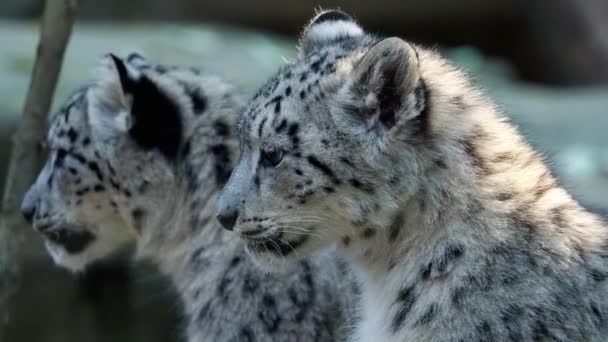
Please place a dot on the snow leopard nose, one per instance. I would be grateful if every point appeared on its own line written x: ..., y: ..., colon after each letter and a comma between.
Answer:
x: 228, y: 218
x: 28, y: 212
x: 28, y: 206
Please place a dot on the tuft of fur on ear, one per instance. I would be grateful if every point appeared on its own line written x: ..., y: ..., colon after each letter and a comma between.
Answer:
x: 388, y: 79
x: 327, y: 27
x: 138, y: 61
x: 109, y: 100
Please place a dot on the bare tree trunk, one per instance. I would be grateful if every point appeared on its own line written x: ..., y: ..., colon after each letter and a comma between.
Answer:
x: 26, y: 155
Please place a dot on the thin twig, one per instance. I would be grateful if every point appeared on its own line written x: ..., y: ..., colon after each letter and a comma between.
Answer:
x: 26, y: 154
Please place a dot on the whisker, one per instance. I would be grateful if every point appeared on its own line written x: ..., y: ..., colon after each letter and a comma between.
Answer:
x: 278, y: 249
x: 296, y: 227
x: 290, y: 246
x: 302, y: 233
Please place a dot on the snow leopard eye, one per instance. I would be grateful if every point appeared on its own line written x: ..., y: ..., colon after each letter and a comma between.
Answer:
x: 271, y: 157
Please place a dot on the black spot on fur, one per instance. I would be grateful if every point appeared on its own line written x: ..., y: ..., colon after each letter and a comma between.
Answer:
x: 558, y: 216
x: 429, y: 315
x: 440, y: 164
x: 60, y: 157
x: 471, y: 151
x: 199, y: 101
x: 358, y: 185
x: 597, y: 275
x: 346, y: 241
x: 246, y: 335
x: 143, y: 187
x: 425, y: 272
x: 504, y: 196
x: 543, y: 185
x: 598, y: 315
x: 82, y: 191
x: 235, y: 261
x: 269, y: 314
x: 504, y: 157
x: 293, y: 129
x: 80, y: 158
x: 540, y: 332
x: 275, y: 99
x: 111, y: 169
x: 324, y: 168
x: 281, y: 126
x: 96, y: 170
x: 395, y: 227
x: 303, y: 298
x: 368, y: 233
x: 72, y: 135
x: 347, y: 162
x: 406, y: 299
x: 250, y: 284
x: 511, y: 313
x: 277, y: 107
x: 457, y: 295
x: 315, y: 66
x: 138, y: 215
x: 221, y: 128
x: 484, y: 331
x: 261, y: 126
x: 203, y: 313
x: 99, y: 188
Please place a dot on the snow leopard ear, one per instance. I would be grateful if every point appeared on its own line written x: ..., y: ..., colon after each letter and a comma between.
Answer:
x: 125, y: 101
x: 386, y: 85
x: 327, y: 27
x: 109, y: 100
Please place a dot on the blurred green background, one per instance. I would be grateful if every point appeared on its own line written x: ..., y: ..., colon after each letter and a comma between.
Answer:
x: 545, y: 63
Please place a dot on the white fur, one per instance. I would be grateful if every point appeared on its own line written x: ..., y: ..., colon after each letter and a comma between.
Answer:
x: 329, y: 30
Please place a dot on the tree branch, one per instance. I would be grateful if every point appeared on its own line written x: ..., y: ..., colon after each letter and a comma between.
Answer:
x: 26, y: 155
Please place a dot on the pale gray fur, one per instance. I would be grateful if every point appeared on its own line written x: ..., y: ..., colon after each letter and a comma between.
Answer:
x: 457, y: 228
x: 101, y: 188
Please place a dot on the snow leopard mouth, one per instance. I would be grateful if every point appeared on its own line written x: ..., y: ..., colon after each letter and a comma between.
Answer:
x: 275, y: 244
x: 72, y: 240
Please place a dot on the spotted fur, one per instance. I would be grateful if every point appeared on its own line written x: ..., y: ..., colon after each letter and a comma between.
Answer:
x: 139, y: 156
x: 457, y: 228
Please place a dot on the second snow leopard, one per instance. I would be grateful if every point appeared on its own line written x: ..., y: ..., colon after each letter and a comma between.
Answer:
x: 455, y: 225
x: 140, y: 155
